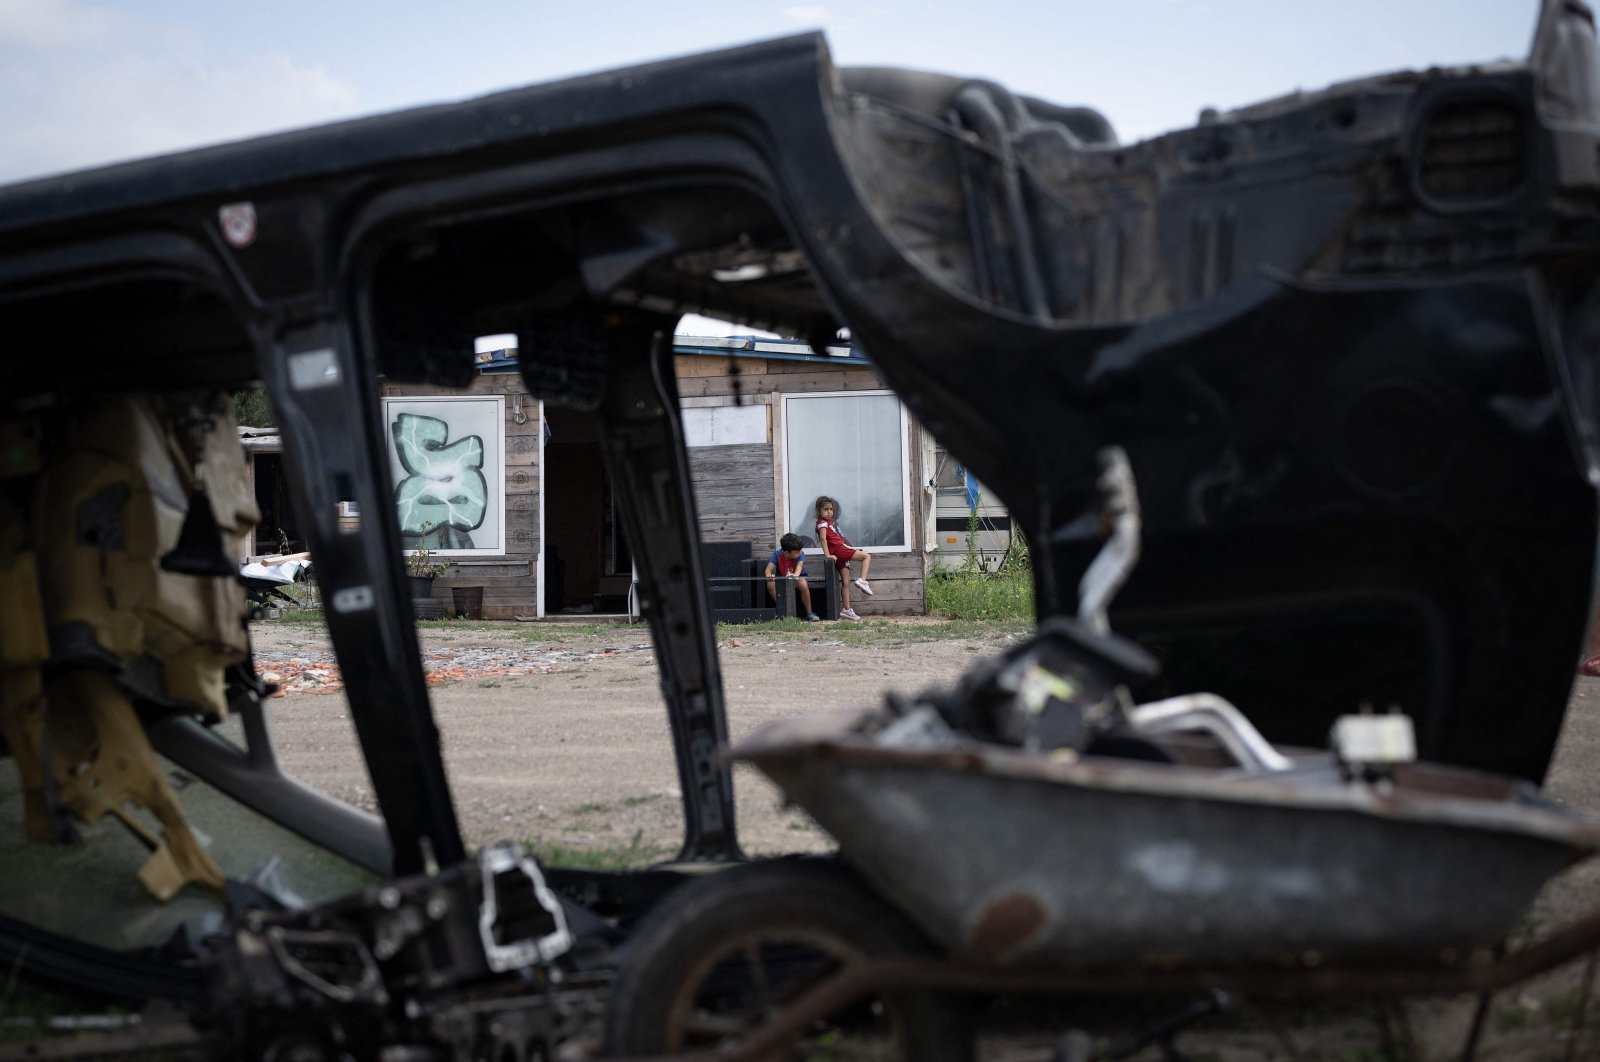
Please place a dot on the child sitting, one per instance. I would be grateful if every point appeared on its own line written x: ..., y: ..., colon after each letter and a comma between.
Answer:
x: 837, y: 549
x: 789, y: 561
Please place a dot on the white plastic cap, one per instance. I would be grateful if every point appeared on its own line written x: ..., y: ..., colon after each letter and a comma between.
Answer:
x: 1375, y: 739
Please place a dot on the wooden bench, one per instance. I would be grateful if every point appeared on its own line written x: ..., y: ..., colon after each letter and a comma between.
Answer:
x: 738, y: 585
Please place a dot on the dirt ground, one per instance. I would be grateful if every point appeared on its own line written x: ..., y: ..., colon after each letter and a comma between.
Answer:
x: 555, y: 735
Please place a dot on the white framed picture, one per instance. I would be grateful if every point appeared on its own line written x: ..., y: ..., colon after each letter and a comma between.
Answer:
x: 448, y: 458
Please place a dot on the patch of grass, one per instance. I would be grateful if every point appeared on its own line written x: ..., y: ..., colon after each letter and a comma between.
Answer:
x: 591, y: 808
x: 1565, y: 1008
x: 768, y: 628
x: 635, y: 801
x: 304, y: 606
x: 1517, y: 1013
x: 969, y: 595
x: 880, y: 633
x: 311, y: 618
x: 787, y: 630
x: 559, y: 632
x: 867, y: 632
x: 635, y: 854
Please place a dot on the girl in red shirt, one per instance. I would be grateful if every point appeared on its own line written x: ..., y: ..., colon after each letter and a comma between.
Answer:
x: 837, y: 548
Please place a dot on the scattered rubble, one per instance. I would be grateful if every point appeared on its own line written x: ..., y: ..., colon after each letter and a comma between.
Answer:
x: 318, y: 671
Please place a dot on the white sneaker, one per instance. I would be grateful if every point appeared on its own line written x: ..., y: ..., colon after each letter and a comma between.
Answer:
x: 864, y: 586
x: 848, y: 613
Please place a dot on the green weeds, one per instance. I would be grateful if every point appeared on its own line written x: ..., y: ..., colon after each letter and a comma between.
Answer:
x: 635, y: 854
x: 1005, y: 595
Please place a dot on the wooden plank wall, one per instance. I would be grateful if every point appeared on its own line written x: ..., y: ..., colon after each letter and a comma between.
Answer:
x: 508, y: 582
x: 734, y: 485
x: 730, y: 512
x: 733, y: 493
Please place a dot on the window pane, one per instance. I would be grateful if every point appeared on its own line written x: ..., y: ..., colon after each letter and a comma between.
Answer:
x: 848, y: 447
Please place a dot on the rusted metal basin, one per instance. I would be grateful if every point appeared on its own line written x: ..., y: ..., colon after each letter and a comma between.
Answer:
x: 1003, y: 855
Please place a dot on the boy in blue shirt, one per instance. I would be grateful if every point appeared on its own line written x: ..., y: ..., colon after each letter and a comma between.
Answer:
x: 789, y: 562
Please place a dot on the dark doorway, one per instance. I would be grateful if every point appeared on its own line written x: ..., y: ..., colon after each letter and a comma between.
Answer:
x: 573, y: 499
x: 588, y: 564
x: 279, y: 530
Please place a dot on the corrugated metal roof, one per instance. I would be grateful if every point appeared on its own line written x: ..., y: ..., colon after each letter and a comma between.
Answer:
x: 495, y: 362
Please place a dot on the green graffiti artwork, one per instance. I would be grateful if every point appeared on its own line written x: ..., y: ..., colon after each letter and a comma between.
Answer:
x: 445, y: 490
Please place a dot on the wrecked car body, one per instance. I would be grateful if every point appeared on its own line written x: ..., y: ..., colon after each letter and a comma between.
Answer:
x: 1346, y: 340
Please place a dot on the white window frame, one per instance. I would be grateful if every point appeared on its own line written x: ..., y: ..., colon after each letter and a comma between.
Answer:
x: 784, y: 521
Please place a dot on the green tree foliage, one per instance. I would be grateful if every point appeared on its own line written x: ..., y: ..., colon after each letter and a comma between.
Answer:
x: 253, y: 409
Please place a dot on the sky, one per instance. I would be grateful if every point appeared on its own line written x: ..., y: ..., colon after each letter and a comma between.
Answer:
x: 84, y: 83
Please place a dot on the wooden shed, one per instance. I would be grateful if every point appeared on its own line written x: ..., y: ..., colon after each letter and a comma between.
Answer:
x: 512, y: 495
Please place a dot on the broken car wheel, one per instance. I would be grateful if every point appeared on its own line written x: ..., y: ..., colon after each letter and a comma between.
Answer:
x: 722, y: 956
